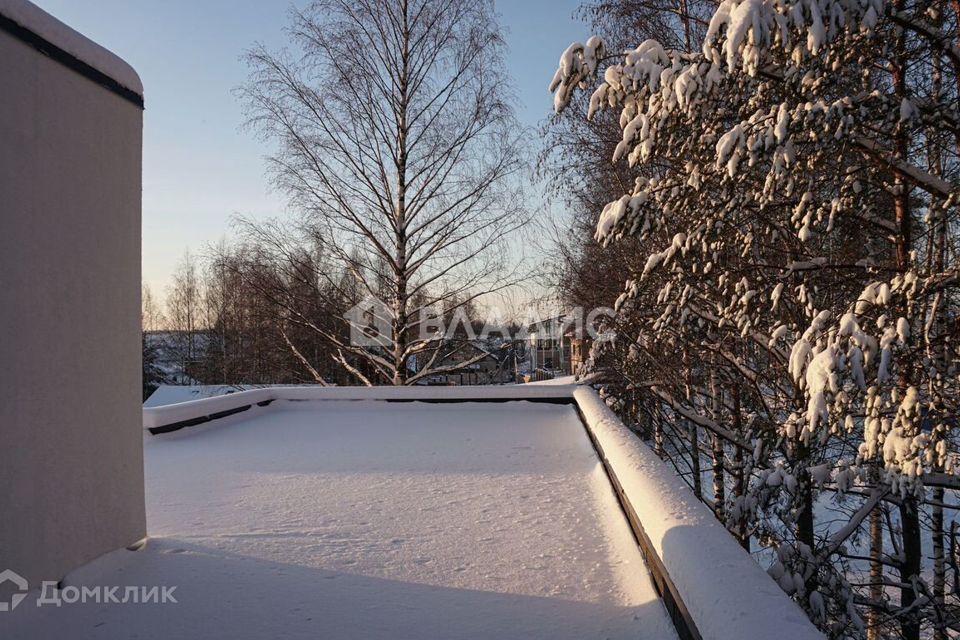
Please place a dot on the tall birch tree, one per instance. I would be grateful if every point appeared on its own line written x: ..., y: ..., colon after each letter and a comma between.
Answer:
x: 392, y: 134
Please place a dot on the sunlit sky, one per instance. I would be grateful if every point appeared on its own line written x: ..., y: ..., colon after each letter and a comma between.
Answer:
x: 200, y: 166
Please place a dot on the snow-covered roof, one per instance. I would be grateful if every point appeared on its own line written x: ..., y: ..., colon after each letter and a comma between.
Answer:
x: 384, y: 512
x: 34, y: 19
x: 679, y: 533
x: 167, y: 394
x: 368, y: 519
x: 547, y: 324
x: 562, y: 380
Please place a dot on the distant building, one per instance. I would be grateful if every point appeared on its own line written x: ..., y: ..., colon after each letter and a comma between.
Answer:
x: 176, y: 354
x: 579, y: 352
x: 490, y: 368
x: 549, y: 346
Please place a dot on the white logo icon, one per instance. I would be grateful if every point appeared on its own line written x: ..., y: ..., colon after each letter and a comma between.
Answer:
x: 21, y: 584
x: 370, y: 324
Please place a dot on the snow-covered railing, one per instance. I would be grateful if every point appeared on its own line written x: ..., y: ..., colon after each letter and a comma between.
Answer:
x: 709, y: 583
x: 711, y: 587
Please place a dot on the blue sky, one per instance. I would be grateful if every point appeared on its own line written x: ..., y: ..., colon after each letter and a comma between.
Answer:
x: 200, y: 167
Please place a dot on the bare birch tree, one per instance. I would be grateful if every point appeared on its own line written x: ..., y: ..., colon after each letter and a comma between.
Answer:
x: 185, y: 314
x: 393, y: 136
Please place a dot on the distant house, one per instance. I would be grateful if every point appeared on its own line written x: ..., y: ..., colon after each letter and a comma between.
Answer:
x: 556, y: 346
x: 549, y: 346
x: 177, y: 353
x: 490, y: 368
x: 579, y: 352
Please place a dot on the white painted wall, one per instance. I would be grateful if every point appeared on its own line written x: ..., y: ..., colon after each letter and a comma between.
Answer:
x: 71, y: 459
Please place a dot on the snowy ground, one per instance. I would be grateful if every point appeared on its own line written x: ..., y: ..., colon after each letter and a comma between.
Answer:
x: 375, y: 520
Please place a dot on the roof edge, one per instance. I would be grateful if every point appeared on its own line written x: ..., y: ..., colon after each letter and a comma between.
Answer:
x: 24, y: 19
x: 155, y: 418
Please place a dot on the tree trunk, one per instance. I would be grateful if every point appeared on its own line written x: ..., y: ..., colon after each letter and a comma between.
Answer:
x: 695, y: 459
x: 910, y: 569
x: 400, y: 309
x: 805, y: 519
x: 657, y: 436
x: 717, y: 454
x: 876, y: 566
x: 910, y: 519
x: 739, y: 484
x: 939, y: 566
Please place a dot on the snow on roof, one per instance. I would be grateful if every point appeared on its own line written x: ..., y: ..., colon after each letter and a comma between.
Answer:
x: 547, y: 323
x: 678, y: 532
x: 160, y: 416
x: 167, y: 394
x: 34, y: 19
x: 562, y: 380
x: 368, y: 519
x: 419, y: 512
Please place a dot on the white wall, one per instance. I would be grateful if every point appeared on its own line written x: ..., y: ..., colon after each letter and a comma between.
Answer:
x: 71, y: 460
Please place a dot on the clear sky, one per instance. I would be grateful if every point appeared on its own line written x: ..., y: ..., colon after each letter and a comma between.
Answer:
x: 200, y: 167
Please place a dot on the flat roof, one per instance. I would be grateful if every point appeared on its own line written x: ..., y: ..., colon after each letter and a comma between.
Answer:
x: 373, y: 519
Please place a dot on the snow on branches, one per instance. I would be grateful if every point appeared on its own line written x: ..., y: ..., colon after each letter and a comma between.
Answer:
x: 795, y: 182
x: 774, y: 128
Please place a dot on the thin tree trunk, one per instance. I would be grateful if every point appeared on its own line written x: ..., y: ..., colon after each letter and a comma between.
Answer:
x: 717, y: 454
x: 695, y: 459
x: 685, y: 18
x: 876, y: 566
x: 939, y: 566
x: 739, y: 484
x: 401, y: 302
x: 805, y: 518
x: 909, y: 516
x: 657, y: 435
x: 938, y: 257
x: 910, y: 569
